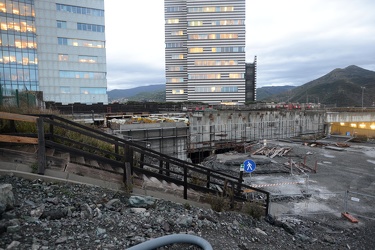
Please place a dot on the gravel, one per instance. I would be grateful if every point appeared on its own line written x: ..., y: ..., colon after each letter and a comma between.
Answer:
x: 70, y: 216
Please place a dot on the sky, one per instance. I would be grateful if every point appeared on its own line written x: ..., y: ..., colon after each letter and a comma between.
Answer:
x: 295, y: 41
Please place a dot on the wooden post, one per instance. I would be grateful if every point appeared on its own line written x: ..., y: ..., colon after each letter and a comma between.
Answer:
x: 142, y: 160
x: 41, y: 147
x: 231, y: 195
x: 267, y: 208
x: 127, y: 178
x: 51, y: 129
x: 129, y: 156
x: 116, y: 150
x: 185, y: 182
x: 240, y: 180
x: 161, y: 163
x: 167, y: 168
x: 208, y: 178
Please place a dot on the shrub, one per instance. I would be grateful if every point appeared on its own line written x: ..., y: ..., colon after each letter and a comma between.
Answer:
x: 218, y: 203
x: 254, y: 209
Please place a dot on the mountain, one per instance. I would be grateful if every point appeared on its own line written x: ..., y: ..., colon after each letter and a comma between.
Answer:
x: 158, y: 96
x: 119, y: 94
x: 340, y: 87
x: 268, y: 91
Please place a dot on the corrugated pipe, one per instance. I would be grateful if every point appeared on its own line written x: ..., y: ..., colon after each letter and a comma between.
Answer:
x: 173, y: 239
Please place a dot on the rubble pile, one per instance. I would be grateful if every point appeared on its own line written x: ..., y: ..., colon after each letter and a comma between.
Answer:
x: 41, y: 215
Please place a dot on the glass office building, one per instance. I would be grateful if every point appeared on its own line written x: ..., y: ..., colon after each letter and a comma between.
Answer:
x: 56, y: 47
x: 205, y: 50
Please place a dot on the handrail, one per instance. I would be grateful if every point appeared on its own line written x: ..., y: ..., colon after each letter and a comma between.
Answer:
x: 212, y: 176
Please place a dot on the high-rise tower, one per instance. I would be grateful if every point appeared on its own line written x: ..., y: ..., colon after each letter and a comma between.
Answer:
x: 205, y: 50
x: 54, y: 46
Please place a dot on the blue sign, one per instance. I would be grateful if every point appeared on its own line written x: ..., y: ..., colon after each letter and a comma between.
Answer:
x: 249, y: 166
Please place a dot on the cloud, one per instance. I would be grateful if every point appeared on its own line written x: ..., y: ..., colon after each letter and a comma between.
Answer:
x: 295, y: 41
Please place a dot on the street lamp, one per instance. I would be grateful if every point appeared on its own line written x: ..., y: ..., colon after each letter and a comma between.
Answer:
x: 363, y: 88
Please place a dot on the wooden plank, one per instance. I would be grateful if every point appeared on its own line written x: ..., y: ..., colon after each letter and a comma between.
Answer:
x: 350, y: 217
x: 18, y: 139
x: 17, y: 117
x: 257, y: 151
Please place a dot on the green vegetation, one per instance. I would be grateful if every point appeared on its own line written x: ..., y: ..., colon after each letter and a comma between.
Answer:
x: 253, y: 209
x: 218, y: 203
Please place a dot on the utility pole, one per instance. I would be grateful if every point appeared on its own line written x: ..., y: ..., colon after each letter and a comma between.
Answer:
x: 363, y: 88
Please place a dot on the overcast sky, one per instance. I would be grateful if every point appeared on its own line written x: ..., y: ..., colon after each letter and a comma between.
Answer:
x: 295, y: 41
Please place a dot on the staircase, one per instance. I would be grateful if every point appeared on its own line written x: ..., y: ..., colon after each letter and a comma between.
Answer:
x: 59, y: 146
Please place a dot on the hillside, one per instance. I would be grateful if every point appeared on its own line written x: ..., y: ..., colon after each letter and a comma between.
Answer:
x: 340, y: 87
x: 268, y: 91
x: 141, y: 93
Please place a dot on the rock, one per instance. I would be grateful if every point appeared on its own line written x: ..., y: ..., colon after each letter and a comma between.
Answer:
x: 138, y: 210
x: 14, y: 245
x: 260, y: 231
x: 61, y: 240
x: 140, y: 201
x: 91, y: 223
x: 55, y: 214
x: 6, y: 197
x: 288, y: 228
x: 37, y: 212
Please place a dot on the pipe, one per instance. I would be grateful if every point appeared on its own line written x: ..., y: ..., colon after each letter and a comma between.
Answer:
x: 173, y: 239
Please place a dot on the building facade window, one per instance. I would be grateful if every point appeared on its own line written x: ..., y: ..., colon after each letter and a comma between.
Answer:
x: 177, y: 56
x: 175, y: 80
x: 211, y: 9
x: 173, y: 21
x: 174, y: 45
x: 174, y: 9
x: 236, y: 76
x: 195, y: 23
x: 195, y: 50
x: 61, y: 24
x: 80, y: 43
x: 208, y: 89
x: 17, y: 24
x: 22, y: 8
x: 63, y: 57
x: 176, y: 68
x: 178, y: 91
x: 204, y: 76
x: 87, y: 59
x: 79, y: 10
x: 215, y: 62
x: 177, y: 33
x: 93, y: 91
x: 228, y: 49
x: 81, y: 74
x: 90, y: 27
x: 212, y: 36
x: 228, y: 22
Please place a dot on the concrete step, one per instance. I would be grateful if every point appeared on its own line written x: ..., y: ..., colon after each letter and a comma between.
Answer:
x: 154, y: 184
x: 82, y: 170
x: 78, y: 159
x: 50, y: 151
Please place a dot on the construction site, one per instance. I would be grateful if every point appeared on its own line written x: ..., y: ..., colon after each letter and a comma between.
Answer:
x: 301, y: 172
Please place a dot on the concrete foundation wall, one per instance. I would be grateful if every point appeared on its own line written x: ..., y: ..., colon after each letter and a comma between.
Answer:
x: 210, y: 127
x: 167, y: 138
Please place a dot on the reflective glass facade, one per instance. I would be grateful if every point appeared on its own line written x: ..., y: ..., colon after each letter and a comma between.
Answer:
x: 18, y: 54
x: 54, y: 47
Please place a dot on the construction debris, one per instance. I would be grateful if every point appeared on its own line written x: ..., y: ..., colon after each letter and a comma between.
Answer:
x: 272, y: 152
